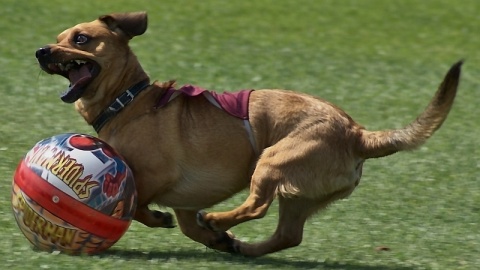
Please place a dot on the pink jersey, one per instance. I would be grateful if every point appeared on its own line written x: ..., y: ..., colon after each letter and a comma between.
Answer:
x: 234, y: 103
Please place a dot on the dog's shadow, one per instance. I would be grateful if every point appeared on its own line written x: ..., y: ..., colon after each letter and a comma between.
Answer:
x: 197, y: 256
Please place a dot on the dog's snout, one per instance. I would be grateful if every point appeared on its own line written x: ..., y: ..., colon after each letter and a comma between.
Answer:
x: 42, y: 52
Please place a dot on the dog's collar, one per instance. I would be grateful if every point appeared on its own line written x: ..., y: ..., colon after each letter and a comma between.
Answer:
x: 120, y: 102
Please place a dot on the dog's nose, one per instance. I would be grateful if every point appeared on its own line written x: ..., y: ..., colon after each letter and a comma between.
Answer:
x: 42, y: 52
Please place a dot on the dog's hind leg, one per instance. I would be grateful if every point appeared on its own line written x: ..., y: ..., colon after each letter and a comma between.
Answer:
x: 293, y: 213
x: 154, y: 218
x: 289, y: 233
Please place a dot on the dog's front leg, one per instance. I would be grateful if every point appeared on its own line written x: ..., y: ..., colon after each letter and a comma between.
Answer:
x: 154, y: 218
x: 222, y: 241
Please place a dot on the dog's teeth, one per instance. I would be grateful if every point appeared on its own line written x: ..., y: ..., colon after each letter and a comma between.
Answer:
x: 61, y: 66
x: 80, y: 62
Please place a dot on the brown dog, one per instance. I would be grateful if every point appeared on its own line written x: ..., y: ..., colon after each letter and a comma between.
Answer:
x: 188, y: 153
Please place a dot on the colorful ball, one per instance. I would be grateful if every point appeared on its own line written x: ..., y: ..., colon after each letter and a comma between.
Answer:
x: 73, y: 193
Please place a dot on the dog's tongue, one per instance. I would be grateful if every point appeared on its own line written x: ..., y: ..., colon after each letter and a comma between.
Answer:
x: 78, y: 79
x: 79, y: 76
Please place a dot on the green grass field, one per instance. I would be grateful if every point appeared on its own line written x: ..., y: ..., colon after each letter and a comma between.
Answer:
x: 381, y: 61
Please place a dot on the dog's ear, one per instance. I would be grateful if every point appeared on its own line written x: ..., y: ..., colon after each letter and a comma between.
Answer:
x: 130, y: 24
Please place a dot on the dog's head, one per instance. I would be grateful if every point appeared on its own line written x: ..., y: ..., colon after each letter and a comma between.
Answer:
x: 93, y: 55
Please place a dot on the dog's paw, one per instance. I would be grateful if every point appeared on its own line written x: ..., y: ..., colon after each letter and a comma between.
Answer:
x: 167, y: 219
x: 202, y: 222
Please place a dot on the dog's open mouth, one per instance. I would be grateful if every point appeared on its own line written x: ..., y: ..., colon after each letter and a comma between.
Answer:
x: 79, y: 72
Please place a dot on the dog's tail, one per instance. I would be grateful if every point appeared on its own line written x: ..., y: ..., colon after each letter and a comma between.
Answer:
x: 374, y: 144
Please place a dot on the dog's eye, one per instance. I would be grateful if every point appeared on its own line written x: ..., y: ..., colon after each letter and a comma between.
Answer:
x: 81, y: 39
